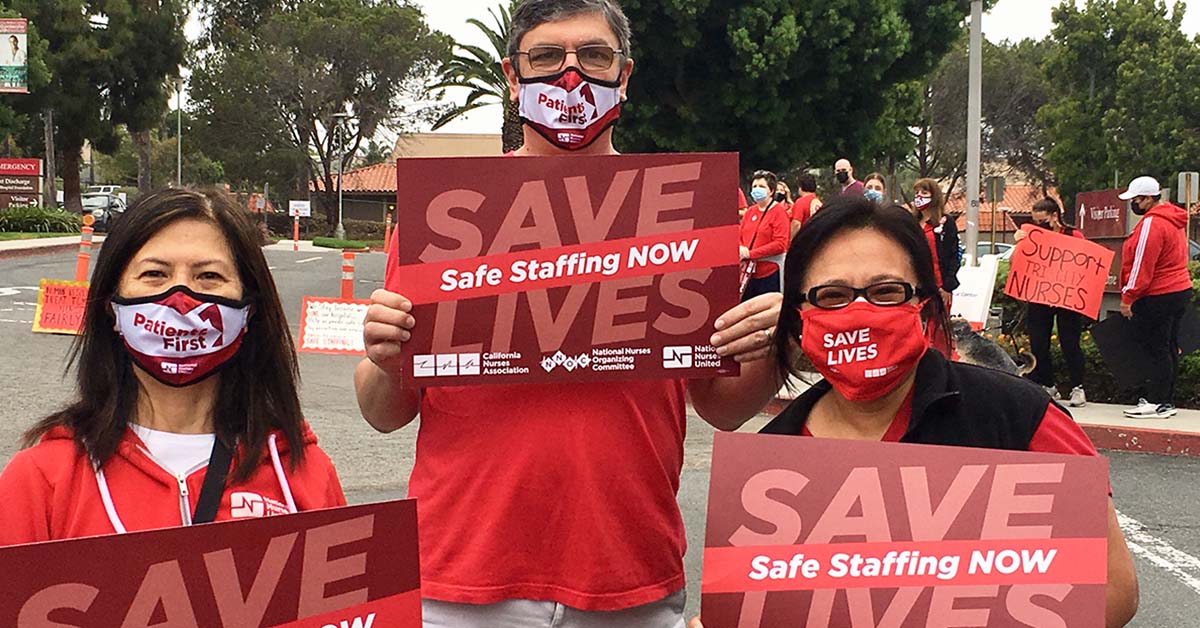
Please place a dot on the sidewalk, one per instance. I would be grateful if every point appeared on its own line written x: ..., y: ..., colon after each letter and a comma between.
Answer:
x: 1105, y: 424
x: 43, y: 246
x: 306, y: 246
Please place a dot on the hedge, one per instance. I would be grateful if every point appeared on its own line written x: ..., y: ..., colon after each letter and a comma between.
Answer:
x: 39, y: 220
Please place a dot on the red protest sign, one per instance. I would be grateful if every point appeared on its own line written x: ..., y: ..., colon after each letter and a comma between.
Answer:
x: 1059, y: 270
x: 540, y: 269
x: 332, y: 326
x: 60, y: 306
x: 344, y: 566
x: 815, y: 532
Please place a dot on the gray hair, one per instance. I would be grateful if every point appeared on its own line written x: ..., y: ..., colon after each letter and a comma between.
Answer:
x: 531, y: 14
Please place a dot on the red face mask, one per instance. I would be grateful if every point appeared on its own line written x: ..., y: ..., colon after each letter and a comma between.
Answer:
x: 863, y: 349
x: 180, y: 337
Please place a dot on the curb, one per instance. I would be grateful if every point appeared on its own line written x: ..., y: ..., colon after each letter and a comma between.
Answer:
x: 41, y: 250
x: 1114, y: 438
x: 1144, y: 440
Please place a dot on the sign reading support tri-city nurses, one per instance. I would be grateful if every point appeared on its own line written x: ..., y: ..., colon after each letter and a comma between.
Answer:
x: 1060, y: 271
x: 352, y: 566
x: 822, y: 533
x: 545, y: 269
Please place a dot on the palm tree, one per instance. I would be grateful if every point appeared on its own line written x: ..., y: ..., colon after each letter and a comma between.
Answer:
x: 479, y: 70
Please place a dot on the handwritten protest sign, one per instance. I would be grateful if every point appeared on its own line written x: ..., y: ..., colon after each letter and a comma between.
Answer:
x: 332, y: 326
x: 548, y: 269
x: 60, y: 306
x: 345, y: 566
x: 815, y: 532
x: 1060, y: 271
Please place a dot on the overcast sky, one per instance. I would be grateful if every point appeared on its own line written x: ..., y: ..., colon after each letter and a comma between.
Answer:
x: 1010, y: 19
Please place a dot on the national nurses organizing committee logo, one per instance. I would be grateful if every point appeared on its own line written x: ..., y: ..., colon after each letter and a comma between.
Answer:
x: 560, y: 359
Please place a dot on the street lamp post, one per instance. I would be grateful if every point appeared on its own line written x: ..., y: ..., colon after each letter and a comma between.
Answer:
x: 340, y: 231
x: 974, y: 114
x: 179, y: 132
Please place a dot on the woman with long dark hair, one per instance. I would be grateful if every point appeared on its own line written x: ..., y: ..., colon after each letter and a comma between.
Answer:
x: 185, y: 389
x: 860, y: 268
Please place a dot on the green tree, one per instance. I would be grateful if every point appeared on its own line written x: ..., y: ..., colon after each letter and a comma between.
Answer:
x: 149, y: 37
x: 478, y: 70
x: 782, y: 81
x: 1123, y: 102
x: 301, y: 65
x: 98, y: 76
x: 20, y: 114
x: 1013, y: 91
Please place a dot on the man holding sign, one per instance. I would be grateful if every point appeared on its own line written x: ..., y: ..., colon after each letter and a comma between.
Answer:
x: 557, y: 500
x: 1040, y: 317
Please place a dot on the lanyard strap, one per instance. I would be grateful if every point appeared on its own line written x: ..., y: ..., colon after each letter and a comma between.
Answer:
x: 214, y: 483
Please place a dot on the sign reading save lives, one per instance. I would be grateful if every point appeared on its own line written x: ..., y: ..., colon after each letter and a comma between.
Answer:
x: 819, y: 533
x: 342, y: 566
x: 544, y: 269
x: 1060, y: 271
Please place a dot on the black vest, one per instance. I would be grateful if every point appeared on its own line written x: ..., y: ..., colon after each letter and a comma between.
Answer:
x: 953, y: 404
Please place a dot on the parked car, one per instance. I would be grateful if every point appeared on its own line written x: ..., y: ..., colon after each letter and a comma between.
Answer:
x: 1194, y: 251
x: 106, y: 208
x: 102, y: 189
x: 1003, y: 249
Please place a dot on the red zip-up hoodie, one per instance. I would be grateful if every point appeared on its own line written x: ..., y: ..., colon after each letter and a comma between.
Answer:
x: 1155, y: 256
x: 52, y: 492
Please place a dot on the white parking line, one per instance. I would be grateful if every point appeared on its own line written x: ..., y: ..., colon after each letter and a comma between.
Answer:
x: 309, y: 259
x: 1183, y: 566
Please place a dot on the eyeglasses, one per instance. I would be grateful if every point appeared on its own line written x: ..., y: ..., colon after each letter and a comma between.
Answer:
x: 592, y: 57
x: 885, y: 293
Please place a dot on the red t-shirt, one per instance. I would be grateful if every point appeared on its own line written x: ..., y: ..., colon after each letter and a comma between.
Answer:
x: 802, y: 210
x: 554, y: 492
x: 767, y: 234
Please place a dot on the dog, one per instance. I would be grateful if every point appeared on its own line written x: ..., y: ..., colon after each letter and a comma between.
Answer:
x: 975, y: 349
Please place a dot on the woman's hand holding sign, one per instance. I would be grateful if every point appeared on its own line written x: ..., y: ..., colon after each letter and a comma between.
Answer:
x: 746, y: 331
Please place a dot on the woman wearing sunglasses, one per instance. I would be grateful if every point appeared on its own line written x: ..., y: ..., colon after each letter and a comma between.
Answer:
x: 859, y: 293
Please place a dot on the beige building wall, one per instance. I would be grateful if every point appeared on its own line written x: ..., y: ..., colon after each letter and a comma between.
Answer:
x: 448, y: 145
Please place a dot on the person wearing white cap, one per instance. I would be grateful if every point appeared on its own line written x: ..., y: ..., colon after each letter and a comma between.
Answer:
x: 1156, y: 289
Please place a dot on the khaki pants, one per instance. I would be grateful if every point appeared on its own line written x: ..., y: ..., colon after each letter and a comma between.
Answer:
x: 665, y: 613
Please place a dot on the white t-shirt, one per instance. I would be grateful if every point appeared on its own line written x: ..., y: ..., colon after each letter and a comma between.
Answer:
x: 179, y: 453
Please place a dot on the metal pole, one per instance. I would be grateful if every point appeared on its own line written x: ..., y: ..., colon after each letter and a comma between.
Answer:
x: 340, y: 232
x: 179, y: 132
x: 974, y: 113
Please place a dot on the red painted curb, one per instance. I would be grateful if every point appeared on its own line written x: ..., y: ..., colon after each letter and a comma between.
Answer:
x: 42, y: 250
x: 1111, y: 437
x: 1145, y: 440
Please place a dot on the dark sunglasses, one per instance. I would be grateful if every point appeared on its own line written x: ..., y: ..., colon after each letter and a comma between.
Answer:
x: 884, y: 293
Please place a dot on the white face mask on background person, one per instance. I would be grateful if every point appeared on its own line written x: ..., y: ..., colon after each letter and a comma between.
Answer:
x: 180, y: 337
